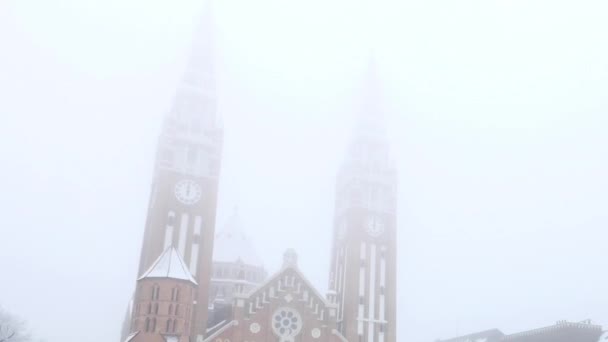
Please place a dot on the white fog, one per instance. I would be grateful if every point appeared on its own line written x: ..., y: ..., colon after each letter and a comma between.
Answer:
x: 496, y: 113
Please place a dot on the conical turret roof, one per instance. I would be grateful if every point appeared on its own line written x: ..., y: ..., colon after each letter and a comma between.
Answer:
x: 169, y: 265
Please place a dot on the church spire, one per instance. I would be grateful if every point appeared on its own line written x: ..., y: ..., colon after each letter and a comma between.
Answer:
x: 195, y: 102
x: 369, y: 143
x: 370, y: 113
x: 363, y: 272
x: 201, y: 69
x: 183, y: 200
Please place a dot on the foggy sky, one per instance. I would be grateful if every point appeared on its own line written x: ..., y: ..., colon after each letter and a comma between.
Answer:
x: 497, y: 121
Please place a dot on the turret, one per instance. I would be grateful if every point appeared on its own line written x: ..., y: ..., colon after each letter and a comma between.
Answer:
x: 162, y: 308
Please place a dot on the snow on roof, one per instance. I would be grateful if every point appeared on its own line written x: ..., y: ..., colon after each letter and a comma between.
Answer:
x: 294, y: 267
x: 220, y: 330
x: 169, y: 265
x: 172, y: 338
x: 231, y: 244
x: 130, y: 337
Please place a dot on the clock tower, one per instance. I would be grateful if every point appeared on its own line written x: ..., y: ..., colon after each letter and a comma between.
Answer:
x: 183, y: 199
x: 362, y: 279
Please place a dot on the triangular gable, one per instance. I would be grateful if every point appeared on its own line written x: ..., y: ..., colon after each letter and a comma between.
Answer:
x: 289, y: 277
x: 301, y: 276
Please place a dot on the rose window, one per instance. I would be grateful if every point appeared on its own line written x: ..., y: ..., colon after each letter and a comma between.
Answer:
x: 286, y: 323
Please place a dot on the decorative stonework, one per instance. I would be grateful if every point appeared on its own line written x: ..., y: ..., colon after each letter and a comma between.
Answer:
x: 286, y: 323
x: 255, y: 328
x: 315, y: 333
x: 288, y: 298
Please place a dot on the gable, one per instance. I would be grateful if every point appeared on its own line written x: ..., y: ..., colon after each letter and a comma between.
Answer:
x: 288, y: 288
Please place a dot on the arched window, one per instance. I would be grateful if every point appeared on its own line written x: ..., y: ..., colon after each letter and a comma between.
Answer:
x: 174, y: 325
x: 168, y: 328
x: 176, y: 309
x: 155, y: 291
x: 147, y: 324
x: 156, y: 308
x: 170, y: 312
x: 171, y: 218
x: 153, y: 329
x: 175, y: 294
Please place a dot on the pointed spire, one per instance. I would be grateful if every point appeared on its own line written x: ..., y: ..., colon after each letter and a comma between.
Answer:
x: 169, y: 265
x: 370, y: 112
x: 201, y: 71
x: 371, y: 92
x: 195, y: 104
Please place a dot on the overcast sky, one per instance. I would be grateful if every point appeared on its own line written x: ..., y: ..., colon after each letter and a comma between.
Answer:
x: 498, y: 119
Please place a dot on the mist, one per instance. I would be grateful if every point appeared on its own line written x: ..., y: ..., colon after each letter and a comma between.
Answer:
x: 496, y: 116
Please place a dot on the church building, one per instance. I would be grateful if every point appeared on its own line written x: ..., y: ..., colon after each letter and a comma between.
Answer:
x: 285, y: 308
x: 183, y: 197
x: 363, y: 272
x: 198, y: 285
x: 236, y: 266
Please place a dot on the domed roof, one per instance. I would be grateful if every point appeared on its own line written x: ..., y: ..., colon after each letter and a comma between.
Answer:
x: 232, y: 245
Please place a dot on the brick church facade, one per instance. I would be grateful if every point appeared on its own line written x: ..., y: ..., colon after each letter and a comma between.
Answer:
x: 285, y: 308
x: 196, y: 285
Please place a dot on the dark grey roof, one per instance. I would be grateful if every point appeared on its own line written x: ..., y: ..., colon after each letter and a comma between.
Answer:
x: 492, y: 335
x: 563, y: 331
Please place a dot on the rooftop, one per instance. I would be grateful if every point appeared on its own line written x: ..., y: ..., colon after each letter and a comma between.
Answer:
x: 169, y: 265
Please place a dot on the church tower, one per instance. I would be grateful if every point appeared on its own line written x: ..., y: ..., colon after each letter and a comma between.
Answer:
x: 183, y: 199
x: 362, y: 279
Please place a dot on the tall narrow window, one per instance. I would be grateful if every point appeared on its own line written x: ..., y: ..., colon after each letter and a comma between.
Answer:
x: 176, y: 309
x: 170, y: 311
x: 168, y: 328
x: 155, y: 291
x: 156, y: 308
x: 153, y: 329
x: 147, y: 324
x: 171, y: 218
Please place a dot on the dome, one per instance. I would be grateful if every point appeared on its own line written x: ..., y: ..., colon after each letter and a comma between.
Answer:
x: 233, y: 246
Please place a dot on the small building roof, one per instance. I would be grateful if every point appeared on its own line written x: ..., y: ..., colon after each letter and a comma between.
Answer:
x: 483, y: 336
x: 169, y: 265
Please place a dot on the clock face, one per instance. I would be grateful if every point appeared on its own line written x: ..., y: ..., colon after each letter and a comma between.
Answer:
x: 188, y: 192
x: 375, y: 226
